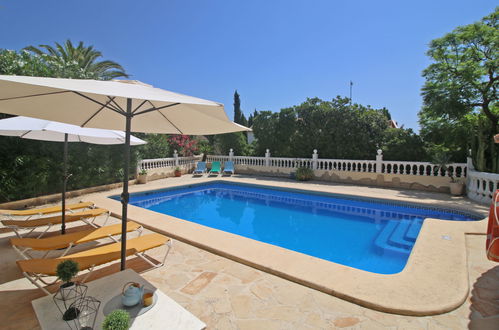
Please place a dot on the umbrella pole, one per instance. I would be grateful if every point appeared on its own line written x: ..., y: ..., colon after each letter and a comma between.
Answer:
x: 64, y: 184
x: 126, y: 169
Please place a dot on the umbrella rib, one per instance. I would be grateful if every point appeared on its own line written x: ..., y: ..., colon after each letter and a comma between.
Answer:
x: 178, y: 129
x: 24, y: 134
x: 33, y: 95
x: 92, y: 116
x: 140, y: 105
x: 156, y: 108
x: 171, y: 105
x: 103, y: 105
x: 116, y: 104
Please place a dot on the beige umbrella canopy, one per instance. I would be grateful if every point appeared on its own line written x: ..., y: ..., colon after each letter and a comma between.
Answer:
x: 130, y: 106
x: 103, y: 104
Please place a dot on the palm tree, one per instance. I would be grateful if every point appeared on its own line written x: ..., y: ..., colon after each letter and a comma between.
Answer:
x: 68, y: 61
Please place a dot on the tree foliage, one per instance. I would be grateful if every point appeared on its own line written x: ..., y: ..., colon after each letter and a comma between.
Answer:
x: 23, y: 63
x: 68, y: 61
x: 31, y: 168
x: 461, y: 87
x: 403, y: 144
x: 184, y: 144
x: 239, y: 116
x: 275, y: 131
x: 157, y: 146
x: 333, y: 127
x: 236, y: 141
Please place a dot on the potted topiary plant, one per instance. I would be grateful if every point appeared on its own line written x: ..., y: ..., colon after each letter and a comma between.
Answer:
x: 69, y: 291
x: 65, y: 271
x: 177, y: 171
x: 304, y: 174
x: 442, y: 160
x: 117, y: 320
x: 142, y: 177
x: 456, y: 186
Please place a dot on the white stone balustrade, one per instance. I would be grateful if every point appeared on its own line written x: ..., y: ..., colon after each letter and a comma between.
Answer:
x: 217, y: 158
x: 150, y: 164
x: 456, y: 170
x: 346, y: 165
x: 481, y: 185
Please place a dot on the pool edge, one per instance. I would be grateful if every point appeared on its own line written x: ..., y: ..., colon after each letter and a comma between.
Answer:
x: 416, y: 306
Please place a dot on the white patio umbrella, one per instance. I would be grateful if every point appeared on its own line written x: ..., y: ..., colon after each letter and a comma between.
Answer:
x: 114, y: 105
x: 39, y: 129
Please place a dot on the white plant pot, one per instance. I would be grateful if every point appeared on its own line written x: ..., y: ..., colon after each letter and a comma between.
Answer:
x: 142, y: 178
x: 456, y: 188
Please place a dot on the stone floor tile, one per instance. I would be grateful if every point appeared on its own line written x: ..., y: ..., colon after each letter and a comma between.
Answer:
x: 317, y: 321
x: 344, y: 322
x: 261, y: 290
x: 245, y: 274
x: 177, y: 280
x: 240, y: 297
x: 373, y: 325
x: 285, y: 313
x: 243, y: 306
x: 260, y: 325
x: 222, y: 305
x: 450, y: 321
x: 199, y: 283
x: 224, y: 323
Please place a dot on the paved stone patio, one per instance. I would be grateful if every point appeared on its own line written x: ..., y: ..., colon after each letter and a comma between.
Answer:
x: 229, y: 295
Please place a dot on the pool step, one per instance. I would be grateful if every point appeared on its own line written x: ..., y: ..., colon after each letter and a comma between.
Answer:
x: 413, y: 231
x: 382, y: 241
x: 398, y: 236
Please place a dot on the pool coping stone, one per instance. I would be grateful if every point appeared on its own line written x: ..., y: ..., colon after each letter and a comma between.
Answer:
x: 434, y: 281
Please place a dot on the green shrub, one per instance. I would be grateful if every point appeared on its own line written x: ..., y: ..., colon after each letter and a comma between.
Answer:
x: 304, y: 174
x: 66, y: 270
x: 117, y: 320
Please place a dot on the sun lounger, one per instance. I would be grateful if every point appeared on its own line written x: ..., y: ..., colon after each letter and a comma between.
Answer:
x: 215, y: 168
x: 35, y: 270
x: 229, y: 167
x: 200, y: 168
x: 31, y: 225
x: 43, y: 211
x: 67, y: 241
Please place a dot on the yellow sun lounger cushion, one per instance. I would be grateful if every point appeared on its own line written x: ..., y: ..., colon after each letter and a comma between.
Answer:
x: 93, y: 257
x: 46, y: 210
x: 53, y: 220
x: 79, y: 237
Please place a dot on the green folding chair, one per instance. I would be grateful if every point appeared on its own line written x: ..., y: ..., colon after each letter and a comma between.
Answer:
x: 216, y: 168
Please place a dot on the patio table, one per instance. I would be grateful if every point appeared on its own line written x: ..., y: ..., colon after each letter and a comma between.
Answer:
x: 165, y: 314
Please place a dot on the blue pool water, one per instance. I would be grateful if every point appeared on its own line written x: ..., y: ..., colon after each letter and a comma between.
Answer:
x: 364, y: 234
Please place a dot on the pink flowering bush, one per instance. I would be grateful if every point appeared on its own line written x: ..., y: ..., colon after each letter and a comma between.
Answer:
x: 184, y: 144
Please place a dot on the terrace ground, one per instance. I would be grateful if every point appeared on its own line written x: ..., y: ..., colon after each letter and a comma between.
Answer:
x: 226, y: 294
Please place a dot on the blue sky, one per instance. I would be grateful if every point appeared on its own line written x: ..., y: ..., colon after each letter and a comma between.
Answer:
x: 275, y: 53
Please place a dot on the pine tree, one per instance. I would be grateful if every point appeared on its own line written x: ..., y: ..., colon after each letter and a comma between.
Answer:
x: 237, y: 108
x: 251, y: 118
x: 243, y: 121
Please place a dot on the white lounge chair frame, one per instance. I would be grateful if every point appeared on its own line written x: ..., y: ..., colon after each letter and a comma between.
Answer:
x: 24, y: 252
x: 37, y: 278
x: 86, y: 220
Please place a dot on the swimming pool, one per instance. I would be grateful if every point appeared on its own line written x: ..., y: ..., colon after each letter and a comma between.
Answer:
x: 376, y: 236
